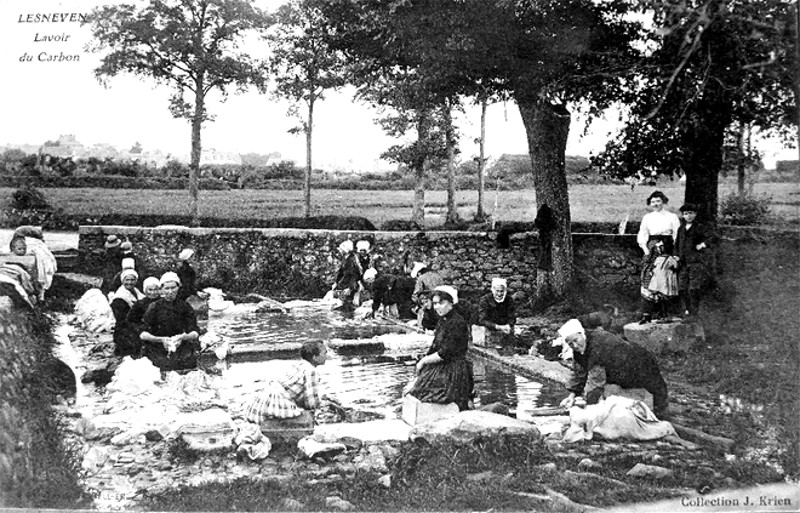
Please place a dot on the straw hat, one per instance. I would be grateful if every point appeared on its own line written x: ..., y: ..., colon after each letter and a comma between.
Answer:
x: 112, y: 241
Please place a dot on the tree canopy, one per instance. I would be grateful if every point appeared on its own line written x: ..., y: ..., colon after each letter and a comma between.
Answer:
x: 189, y: 45
x: 716, y: 65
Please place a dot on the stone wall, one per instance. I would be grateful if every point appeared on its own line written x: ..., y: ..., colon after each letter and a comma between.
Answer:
x: 302, y: 263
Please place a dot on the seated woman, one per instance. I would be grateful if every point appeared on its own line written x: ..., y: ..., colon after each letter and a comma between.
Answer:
x: 45, y: 260
x: 18, y: 277
x: 152, y: 292
x: 295, y: 393
x: 170, y: 333
x: 444, y: 375
x: 126, y: 339
x: 497, y: 313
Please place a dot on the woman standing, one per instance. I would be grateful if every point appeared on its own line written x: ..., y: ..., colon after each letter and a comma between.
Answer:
x: 444, y: 374
x: 656, y: 237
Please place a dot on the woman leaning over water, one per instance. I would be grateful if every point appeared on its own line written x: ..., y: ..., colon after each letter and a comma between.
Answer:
x: 444, y: 374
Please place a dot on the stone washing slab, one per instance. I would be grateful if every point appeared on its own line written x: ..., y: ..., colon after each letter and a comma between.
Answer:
x: 665, y: 337
x: 529, y: 366
x: 374, y: 431
x: 469, y: 425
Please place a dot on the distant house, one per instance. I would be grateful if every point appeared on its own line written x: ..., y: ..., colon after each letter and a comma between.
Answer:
x: 65, y: 146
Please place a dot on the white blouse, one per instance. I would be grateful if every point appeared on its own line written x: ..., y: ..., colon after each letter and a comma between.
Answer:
x: 657, y: 223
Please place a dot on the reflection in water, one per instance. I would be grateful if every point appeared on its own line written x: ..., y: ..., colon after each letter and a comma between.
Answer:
x: 366, y: 381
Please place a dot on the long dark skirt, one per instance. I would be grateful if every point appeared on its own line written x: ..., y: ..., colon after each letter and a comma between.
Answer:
x: 444, y: 383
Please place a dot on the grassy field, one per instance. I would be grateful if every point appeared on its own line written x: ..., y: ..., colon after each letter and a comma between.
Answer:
x: 588, y: 202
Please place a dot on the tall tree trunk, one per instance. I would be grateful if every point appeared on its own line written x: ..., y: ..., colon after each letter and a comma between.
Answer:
x: 704, y: 142
x: 547, y: 128
x: 307, y: 181
x: 194, y: 166
x: 450, y: 148
x: 418, y: 168
x: 744, y: 149
x: 480, y: 215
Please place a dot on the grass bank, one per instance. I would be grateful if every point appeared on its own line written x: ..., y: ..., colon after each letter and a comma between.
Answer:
x: 38, y: 469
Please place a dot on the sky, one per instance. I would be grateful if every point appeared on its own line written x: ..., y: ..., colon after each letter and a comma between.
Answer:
x: 41, y: 99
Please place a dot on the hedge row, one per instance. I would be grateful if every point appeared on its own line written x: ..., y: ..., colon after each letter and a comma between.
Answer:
x: 110, y: 182
x: 354, y: 183
x: 56, y: 220
x: 37, y: 468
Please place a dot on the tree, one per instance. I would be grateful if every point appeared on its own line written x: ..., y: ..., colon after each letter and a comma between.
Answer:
x: 545, y: 55
x: 190, y: 45
x: 716, y: 65
x: 303, y: 67
x: 408, y: 108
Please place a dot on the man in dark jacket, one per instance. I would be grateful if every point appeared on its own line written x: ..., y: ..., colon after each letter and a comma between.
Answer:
x: 602, y: 358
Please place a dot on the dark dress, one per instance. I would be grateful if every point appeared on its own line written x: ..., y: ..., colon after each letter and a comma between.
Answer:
x: 610, y: 359
x: 136, y: 314
x: 188, y: 277
x: 126, y: 339
x: 111, y: 267
x: 348, y: 278
x: 694, y: 272
x: 165, y: 319
x: 451, y: 380
x: 388, y: 289
x: 491, y: 313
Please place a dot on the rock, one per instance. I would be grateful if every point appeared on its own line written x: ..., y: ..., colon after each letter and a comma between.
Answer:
x: 102, y: 433
x: 289, y: 504
x: 208, y: 430
x: 338, y: 503
x: 548, y: 467
x: 125, y: 438
x: 311, y: 448
x: 371, y: 460
x: 85, y: 428
x: 642, y: 470
x: 667, y: 337
x: 153, y: 435
x: 126, y: 457
x: 588, y: 464
x: 466, y: 426
x: 416, y: 412
x: 385, y: 481
x: 95, y: 457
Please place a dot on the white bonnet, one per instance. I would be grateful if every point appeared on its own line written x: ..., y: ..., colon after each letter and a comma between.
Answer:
x: 497, y: 282
x: 418, y: 266
x: 168, y: 277
x: 363, y: 244
x: 451, y: 291
x: 129, y: 272
x: 346, y: 246
x: 186, y: 254
x: 128, y: 263
x: 150, y: 281
x: 571, y: 327
x: 370, y: 274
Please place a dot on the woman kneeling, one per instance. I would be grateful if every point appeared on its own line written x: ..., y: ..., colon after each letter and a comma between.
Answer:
x: 444, y: 375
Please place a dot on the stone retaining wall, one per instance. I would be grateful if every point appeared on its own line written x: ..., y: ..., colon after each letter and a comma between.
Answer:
x: 302, y: 263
